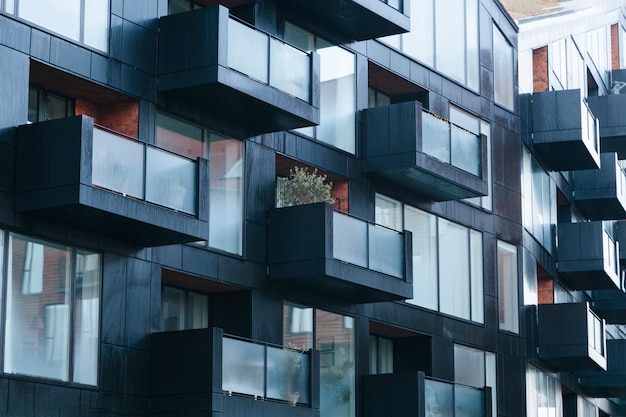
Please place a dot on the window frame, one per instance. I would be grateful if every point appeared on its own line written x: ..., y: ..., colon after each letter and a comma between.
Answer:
x: 508, y: 287
x: 504, y: 99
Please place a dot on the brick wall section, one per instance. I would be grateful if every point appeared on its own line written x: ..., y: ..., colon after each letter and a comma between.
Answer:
x: 545, y: 290
x: 121, y: 117
x: 540, y: 70
x: 615, y: 47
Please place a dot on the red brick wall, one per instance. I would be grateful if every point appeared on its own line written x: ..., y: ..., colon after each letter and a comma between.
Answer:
x: 615, y: 47
x: 540, y: 70
x: 545, y: 290
x: 121, y: 117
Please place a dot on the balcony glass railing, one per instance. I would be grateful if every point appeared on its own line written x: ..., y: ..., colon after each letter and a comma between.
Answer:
x: 590, y: 127
x: 620, y: 181
x: 596, y: 332
x: 451, y: 144
x: 611, y: 248
x: 368, y: 245
x: 453, y: 400
x: 269, y: 60
x: 138, y: 170
x: 265, y: 371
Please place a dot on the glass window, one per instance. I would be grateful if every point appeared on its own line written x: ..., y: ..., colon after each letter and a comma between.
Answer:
x: 507, y: 287
x: 337, y: 89
x: 43, y: 105
x: 538, y: 197
x: 381, y: 355
x: 182, y: 309
x: 476, y: 368
x: 334, y: 338
x: 226, y: 157
x: 543, y: 394
x: 85, y: 21
x: 40, y: 339
x: 180, y: 137
x: 447, y: 260
x: 449, y: 27
x: 226, y: 193
x: 503, y: 78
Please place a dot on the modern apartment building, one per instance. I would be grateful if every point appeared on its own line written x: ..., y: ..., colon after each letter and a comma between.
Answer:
x: 152, y: 263
x: 571, y: 56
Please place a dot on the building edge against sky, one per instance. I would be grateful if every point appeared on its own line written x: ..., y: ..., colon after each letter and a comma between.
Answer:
x: 468, y: 265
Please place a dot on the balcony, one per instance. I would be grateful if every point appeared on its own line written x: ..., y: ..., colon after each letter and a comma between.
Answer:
x: 424, y: 153
x: 73, y: 172
x: 610, y: 112
x: 411, y: 394
x: 611, y: 383
x: 588, y: 255
x: 236, y: 72
x: 565, y: 131
x: 206, y: 372
x: 601, y: 193
x: 610, y: 305
x: 316, y: 251
x: 349, y: 20
x: 575, y: 344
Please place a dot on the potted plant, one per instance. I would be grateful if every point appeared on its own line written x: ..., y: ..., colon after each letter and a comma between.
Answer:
x: 303, y: 187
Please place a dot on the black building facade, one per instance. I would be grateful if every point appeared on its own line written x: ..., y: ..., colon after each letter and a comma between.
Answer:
x: 153, y: 261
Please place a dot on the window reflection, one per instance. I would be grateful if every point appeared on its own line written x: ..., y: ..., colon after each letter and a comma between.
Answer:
x: 39, y: 335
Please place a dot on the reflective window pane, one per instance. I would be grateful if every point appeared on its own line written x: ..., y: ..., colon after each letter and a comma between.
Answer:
x: 96, y: 26
x: 507, y: 287
x: 37, y: 324
x: 337, y: 97
x: 62, y: 17
x: 172, y: 309
x: 86, y: 317
x: 423, y: 227
x: 503, y: 74
x: 226, y: 193
x: 454, y: 278
x: 179, y: 137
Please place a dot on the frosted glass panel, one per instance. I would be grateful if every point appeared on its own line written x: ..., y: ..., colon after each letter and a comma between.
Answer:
x: 468, y: 402
x: 438, y: 398
x: 243, y: 366
x: 466, y: 151
x: 288, y: 375
x: 171, y: 180
x: 290, y: 70
x: 386, y: 251
x: 248, y: 51
x: 117, y: 164
x: 435, y: 137
x: 349, y: 240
